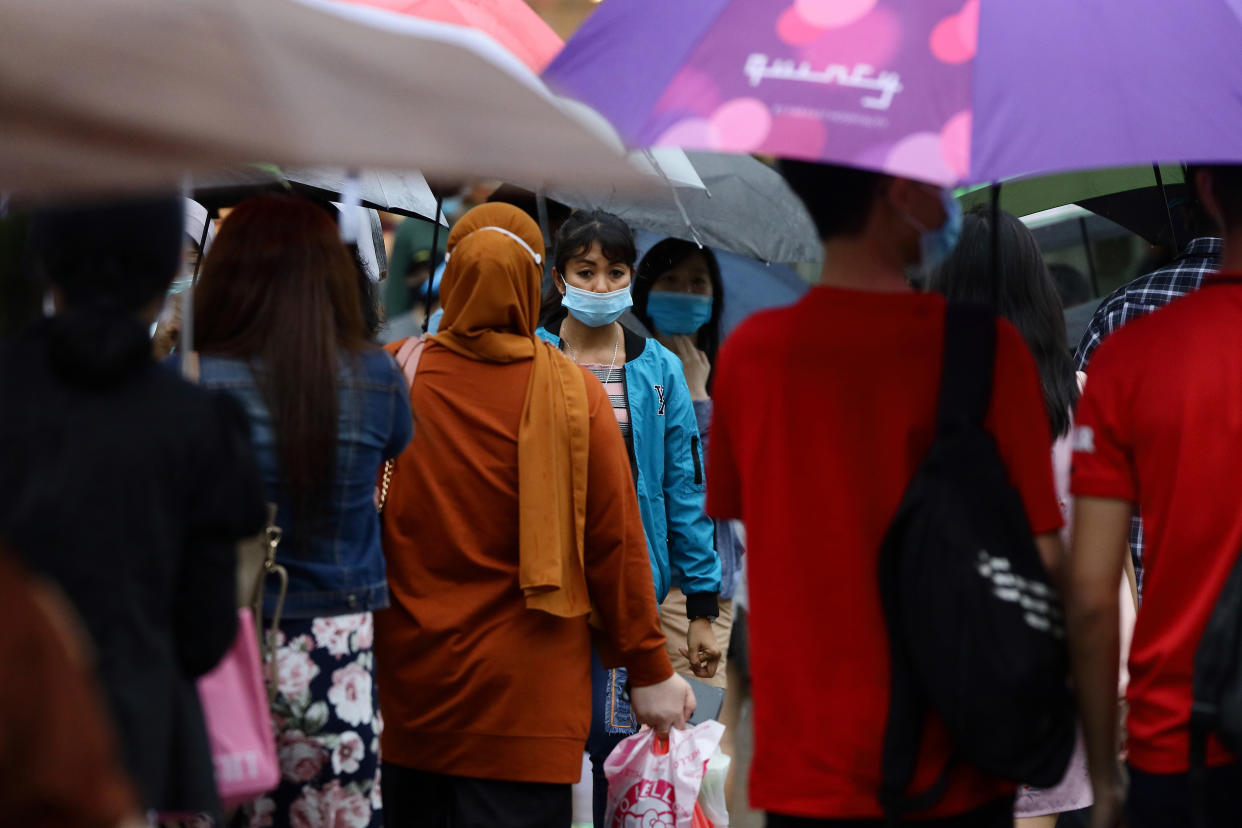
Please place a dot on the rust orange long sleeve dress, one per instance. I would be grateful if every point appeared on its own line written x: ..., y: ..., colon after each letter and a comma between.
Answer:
x: 471, y: 682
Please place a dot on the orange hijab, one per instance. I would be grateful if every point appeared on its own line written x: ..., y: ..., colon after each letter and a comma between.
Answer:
x: 490, y: 294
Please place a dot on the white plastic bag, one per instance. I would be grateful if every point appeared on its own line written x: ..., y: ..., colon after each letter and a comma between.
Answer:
x: 650, y: 786
x: 712, y: 791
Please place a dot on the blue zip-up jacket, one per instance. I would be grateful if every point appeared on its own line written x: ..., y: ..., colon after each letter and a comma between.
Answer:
x: 667, y: 457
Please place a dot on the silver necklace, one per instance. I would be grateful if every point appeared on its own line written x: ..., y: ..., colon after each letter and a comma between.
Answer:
x: 616, y: 349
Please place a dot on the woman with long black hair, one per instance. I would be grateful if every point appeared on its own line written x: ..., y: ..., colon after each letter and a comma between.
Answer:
x: 279, y: 324
x: 1024, y: 293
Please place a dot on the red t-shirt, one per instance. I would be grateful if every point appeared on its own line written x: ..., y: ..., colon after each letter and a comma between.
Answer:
x: 1160, y: 425
x: 823, y: 411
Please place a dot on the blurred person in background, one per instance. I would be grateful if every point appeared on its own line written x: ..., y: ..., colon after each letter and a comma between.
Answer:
x: 1158, y: 431
x: 594, y: 268
x: 510, y: 520
x: 409, y: 269
x: 58, y: 759
x: 1148, y: 293
x: 679, y: 296
x: 1027, y: 296
x: 127, y: 486
x: 279, y: 326
x: 861, y: 356
x: 168, y: 328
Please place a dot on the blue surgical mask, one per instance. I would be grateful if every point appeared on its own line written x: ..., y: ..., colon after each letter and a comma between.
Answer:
x: 936, y: 245
x: 678, y: 313
x: 595, y: 310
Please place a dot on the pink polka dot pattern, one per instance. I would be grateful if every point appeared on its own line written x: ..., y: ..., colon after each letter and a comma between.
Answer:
x: 873, y: 40
x: 796, y: 136
x: 691, y: 90
x: 955, y: 39
x: 829, y: 14
x: 792, y: 28
x: 955, y: 143
x: 919, y: 156
x: 741, y: 125
x: 692, y: 133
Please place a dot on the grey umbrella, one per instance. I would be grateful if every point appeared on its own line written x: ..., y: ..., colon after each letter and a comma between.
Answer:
x: 746, y: 208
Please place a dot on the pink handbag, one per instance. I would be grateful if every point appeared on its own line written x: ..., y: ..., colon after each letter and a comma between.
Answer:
x: 239, y: 723
x: 236, y: 695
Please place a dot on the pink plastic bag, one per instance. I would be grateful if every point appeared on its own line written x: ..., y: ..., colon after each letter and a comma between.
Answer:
x: 651, y: 785
x: 239, y: 724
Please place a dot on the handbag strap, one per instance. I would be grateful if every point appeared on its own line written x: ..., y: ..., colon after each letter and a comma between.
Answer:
x: 408, y: 356
x: 272, y: 534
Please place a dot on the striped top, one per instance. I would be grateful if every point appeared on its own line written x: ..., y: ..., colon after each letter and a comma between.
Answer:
x: 614, y: 383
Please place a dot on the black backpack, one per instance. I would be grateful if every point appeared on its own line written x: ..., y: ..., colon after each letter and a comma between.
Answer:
x: 1217, y: 687
x: 975, y: 629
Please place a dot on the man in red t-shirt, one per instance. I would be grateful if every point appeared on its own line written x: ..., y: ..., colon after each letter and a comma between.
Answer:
x: 823, y: 412
x: 1160, y: 430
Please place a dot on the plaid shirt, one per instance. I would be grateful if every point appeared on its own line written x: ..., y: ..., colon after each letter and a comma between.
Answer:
x: 1138, y: 298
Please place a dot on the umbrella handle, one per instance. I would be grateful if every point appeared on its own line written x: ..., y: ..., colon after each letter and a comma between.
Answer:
x: 435, y: 246
x: 541, y: 209
x: 1168, y: 209
x: 994, y: 248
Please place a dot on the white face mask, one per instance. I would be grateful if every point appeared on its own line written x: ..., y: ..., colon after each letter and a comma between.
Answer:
x: 595, y: 310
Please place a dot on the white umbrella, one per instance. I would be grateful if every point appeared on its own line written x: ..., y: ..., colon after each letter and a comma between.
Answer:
x: 131, y: 93
x: 406, y: 193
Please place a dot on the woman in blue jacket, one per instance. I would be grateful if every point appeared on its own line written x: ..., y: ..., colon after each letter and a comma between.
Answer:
x: 594, y: 266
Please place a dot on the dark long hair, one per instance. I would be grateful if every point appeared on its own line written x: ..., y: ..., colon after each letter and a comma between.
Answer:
x: 1027, y: 298
x: 280, y: 290
x: 575, y: 237
x: 665, y: 256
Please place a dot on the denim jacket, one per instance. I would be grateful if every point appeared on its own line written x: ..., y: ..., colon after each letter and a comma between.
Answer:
x: 667, y: 456
x: 341, y: 568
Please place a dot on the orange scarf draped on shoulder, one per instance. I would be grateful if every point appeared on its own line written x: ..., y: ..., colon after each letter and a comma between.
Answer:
x: 490, y: 294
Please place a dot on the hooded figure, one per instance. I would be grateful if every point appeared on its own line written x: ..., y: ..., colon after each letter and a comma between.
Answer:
x: 127, y: 486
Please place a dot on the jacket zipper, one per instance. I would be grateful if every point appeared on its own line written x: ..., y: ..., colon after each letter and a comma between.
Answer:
x: 698, y: 464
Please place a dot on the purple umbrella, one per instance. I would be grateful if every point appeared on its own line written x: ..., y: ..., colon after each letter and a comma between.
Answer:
x: 947, y: 91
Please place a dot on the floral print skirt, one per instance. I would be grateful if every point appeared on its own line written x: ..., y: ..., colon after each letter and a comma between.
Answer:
x: 327, y: 722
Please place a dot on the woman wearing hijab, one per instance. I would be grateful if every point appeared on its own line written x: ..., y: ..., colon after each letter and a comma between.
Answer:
x: 512, y: 533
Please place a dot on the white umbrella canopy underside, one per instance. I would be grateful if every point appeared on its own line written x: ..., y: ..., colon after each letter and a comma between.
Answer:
x: 132, y: 94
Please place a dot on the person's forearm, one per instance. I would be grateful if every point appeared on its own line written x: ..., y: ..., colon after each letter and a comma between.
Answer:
x: 1095, y: 647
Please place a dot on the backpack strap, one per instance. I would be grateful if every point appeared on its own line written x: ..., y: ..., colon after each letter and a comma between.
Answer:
x: 408, y: 356
x: 967, y: 366
x: 1215, y: 659
x: 965, y: 393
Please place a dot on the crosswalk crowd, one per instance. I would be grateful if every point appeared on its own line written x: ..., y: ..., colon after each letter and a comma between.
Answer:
x: 897, y: 515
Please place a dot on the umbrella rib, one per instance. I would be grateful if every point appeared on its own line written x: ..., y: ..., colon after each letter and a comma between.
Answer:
x: 676, y: 198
